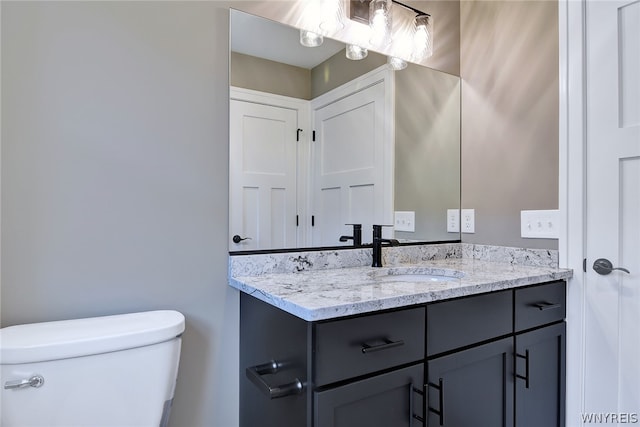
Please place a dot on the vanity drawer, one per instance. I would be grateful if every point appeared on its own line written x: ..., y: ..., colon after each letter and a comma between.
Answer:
x: 351, y: 347
x: 540, y: 304
x: 465, y: 321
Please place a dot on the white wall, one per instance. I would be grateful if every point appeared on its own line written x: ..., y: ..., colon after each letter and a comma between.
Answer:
x: 114, y: 177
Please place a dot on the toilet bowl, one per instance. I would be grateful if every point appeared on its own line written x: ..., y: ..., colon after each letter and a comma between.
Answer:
x: 111, y: 371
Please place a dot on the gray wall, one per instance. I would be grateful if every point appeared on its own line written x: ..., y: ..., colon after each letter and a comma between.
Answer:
x: 338, y: 70
x: 263, y: 75
x: 427, y: 149
x: 114, y: 177
x: 509, y: 68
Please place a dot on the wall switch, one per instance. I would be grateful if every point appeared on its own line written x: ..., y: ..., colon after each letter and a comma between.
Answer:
x: 468, y: 220
x: 453, y: 220
x: 540, y: 224
x: 405, y: 221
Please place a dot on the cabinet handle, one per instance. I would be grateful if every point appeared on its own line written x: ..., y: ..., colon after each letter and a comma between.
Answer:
x: 412, y: 390
x: 255, y: 374
x: 542, y: 306
x: 440, y: 411
x: 526, y: 368
x: 367, y: 348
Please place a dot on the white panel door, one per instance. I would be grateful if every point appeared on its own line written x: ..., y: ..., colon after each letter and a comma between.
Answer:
x: 612, y: 301
x: 351, y: 166
x: 262, y: 176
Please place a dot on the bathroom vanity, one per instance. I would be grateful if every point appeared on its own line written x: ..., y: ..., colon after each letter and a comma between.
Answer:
x: 450, y: 342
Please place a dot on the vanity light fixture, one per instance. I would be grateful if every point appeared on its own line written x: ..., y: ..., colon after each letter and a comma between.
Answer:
x: 423, y: 37
x: 310, y: 39
x: 332, y: 15
x: 356, y: 52
x: 396, y: 63
x: 378, y: 15
x: 380, y: 22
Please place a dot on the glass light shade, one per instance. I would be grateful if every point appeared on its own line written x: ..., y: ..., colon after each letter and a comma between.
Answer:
x: 380, y: 22
x: 396, y: 63
x: 356, y: 52
x: 423, y: 38
x: 332, y: 16
x: 310, y: 39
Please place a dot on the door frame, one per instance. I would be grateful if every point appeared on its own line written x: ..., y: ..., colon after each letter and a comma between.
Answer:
x: 572, y: 192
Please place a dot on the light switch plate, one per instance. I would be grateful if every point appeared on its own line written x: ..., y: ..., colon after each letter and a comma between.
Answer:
x: 405, y: 221
x: 453, y: 220
x: 542, y: 224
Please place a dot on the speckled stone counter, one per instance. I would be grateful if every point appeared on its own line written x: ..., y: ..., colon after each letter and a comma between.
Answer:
x: 331, y: 292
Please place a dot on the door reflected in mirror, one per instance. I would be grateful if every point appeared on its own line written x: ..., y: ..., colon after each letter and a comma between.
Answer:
x: 319, y: 142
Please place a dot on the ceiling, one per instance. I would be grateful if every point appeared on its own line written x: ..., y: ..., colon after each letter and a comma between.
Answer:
x: 255, y: 36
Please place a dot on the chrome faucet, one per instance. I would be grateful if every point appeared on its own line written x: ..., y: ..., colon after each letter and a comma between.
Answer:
x: 377, y: 244
x: 357, y: 235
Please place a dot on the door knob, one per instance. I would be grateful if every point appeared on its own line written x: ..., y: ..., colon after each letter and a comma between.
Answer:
x: 238, y: 239
x: 603, y: 266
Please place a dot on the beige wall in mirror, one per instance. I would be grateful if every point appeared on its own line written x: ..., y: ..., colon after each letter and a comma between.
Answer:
x: 426, y: 137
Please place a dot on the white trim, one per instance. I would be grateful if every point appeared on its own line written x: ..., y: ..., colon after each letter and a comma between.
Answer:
x: 572, y: 194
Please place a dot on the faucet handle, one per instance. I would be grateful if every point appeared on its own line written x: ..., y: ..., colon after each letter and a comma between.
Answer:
x: 357, y: 234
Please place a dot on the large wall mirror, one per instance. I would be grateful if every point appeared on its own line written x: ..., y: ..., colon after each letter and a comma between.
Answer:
x: 319, y: 142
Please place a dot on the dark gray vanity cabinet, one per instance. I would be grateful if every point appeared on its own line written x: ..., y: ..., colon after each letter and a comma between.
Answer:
x: 498, y: 359
x: 540, y: 349
x: 470, y: 361
x: 472, y: 387
x: 392, y: 398
x: 359, y: 371
x: 495, y: 359
x: 270, y: 336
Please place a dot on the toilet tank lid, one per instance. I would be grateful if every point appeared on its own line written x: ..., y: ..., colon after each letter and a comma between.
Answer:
x: 39, y: 342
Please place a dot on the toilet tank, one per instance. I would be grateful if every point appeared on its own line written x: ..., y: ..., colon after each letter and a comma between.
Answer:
x: 116, y: 371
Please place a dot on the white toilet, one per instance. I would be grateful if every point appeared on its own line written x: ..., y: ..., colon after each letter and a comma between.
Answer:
x: 115, y: 371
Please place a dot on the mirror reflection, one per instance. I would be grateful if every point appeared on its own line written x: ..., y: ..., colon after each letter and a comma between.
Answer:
x: 319, y: 142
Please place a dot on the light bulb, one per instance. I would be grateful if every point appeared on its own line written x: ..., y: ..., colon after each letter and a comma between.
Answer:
x: 396, y: 63
x: 310, y: 39
x: 380, y: 22
x: 332, y: 16
x: 422, y: 38
x: 355, y: 52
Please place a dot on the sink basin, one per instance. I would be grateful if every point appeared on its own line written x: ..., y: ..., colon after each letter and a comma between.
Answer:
x: 420, y: 274
x: 418, y: 278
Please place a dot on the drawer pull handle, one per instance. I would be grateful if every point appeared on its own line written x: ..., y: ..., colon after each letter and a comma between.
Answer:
x: 524, y: 377
x: 255, y: 374
x: 367, y: 348
x: 412, y: 416
x: 440, y: 411
x: 542, y: 306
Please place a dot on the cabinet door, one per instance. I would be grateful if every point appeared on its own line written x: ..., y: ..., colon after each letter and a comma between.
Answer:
x: 540, y: 381
x: 473, y: 387
x: 392, y: 399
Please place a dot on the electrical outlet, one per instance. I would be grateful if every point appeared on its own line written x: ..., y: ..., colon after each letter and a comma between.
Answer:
x: 405, y: 221
x: 540, y: 224
x: 453, y: 220
x: 468, y: 221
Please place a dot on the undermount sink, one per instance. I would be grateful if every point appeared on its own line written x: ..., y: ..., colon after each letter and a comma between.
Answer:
x: 420, y: 274
x: 418, y: 278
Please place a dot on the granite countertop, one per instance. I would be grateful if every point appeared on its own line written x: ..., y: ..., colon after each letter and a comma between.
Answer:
x: 331, y: 293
